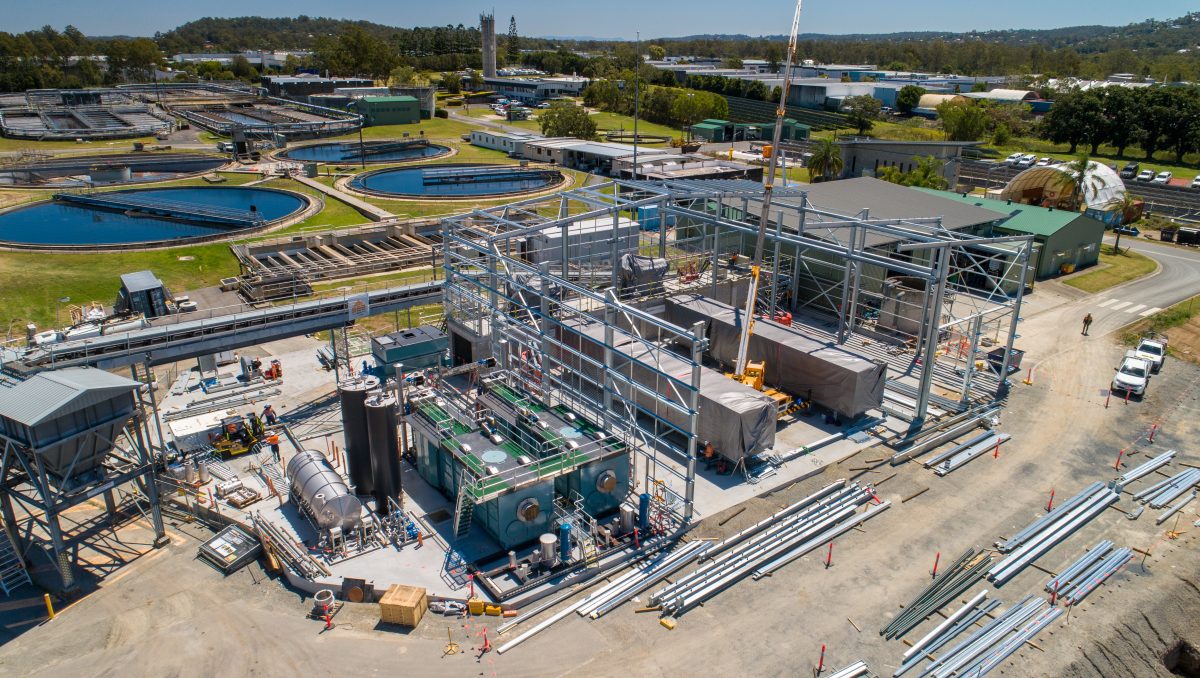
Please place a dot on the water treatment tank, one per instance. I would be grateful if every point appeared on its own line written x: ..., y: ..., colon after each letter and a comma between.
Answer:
x: 385, y: 449
x: 315, y: 482
x: 352, y: 394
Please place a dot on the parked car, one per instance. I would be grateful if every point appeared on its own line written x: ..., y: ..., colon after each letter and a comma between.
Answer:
x: 1152, y: 349
x: 544, y: 104
x: 1163, y: 178
x: 1196, y: 182
x: 1013, y: 159
x: 1132, y: 375
x: 1130, y: 170
x: 1145, y: 175
x: 1027, y: 160
x: 1043, y: 162
x: 1127, y: 230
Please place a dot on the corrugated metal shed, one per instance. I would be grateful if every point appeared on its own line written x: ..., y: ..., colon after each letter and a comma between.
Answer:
x: 140, y: 281
x: 49, y: 395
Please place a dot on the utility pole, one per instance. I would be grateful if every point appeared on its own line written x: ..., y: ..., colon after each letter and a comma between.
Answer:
x: 637, y: 96
x: 768, y: 187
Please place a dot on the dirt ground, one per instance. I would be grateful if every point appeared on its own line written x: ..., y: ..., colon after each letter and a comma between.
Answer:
x: 169, y: 614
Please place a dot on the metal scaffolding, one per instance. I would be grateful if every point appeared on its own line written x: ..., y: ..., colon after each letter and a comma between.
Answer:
x: 563, y: 289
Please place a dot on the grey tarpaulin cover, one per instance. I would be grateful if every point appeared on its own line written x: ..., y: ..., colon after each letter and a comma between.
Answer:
x: 735, y: 418
x: 829, y: 375
x: 638, y: 270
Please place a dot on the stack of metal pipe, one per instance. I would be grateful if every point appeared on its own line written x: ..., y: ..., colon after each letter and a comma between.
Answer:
x: 771, y: 543
x: 959, y: 455
x: 1089, y: 571
x: 990, y: 645
x: 1147, y: 468
x: 855, y: 670
x: 1162, y: 493
x: 1044, y: 533
x: 953, y: 580
x: 621, y: 590
x: 963, y: 619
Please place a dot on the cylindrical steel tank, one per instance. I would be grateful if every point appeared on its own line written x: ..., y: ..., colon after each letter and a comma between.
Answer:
x: 385, y: 448
x: 352, y: 395
x: 546, y: 544
x: 643, y: 511
x: 564, y: 542
x: 627, y: 517
x: 315, y: 482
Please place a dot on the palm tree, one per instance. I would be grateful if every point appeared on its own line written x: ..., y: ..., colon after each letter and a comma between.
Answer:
x: 826, y: 161
x: 1128, y: 201
x: 1080, y: 181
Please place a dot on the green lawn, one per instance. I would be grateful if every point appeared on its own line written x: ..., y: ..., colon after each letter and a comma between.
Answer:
x: 1112, y: 270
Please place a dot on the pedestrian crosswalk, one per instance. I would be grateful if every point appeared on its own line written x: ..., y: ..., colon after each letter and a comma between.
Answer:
x: 1140, y: 310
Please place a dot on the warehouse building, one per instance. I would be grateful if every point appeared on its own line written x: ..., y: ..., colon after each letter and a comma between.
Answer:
x: 719, y: 131
x: 391, y: 110
x: 299, y: 87
x: 1067, y: 241
x: 537, y: 90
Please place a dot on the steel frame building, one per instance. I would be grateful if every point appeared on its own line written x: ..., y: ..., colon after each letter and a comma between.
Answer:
x: 564, y: 317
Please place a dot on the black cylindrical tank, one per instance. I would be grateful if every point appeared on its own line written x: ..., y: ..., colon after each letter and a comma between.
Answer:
x: 385, y: 449
x: 352, y: 394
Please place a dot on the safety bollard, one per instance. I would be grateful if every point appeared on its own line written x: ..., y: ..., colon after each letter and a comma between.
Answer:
x: 49, y: 605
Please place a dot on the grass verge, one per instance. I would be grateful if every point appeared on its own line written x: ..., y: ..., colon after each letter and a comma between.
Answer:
x: 1115, y: 269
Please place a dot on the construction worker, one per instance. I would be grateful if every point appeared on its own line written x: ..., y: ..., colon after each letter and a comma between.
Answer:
x: 268, y: 413
x: 273, y: 441
x: 1087, y: 323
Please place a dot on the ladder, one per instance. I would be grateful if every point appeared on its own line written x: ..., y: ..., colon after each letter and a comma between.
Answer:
x: 464, y: 508
x: 12, y: 571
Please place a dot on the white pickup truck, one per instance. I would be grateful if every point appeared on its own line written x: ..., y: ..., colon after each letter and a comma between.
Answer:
x: 1152, y: 349
x: 1132, y: 376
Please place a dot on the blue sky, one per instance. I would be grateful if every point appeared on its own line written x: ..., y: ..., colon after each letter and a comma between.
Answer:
x: 615, y: 18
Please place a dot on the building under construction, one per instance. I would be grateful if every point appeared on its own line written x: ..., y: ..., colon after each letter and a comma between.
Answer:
x: 625, y: 304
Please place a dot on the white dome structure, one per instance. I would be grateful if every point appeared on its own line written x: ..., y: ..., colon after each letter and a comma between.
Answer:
x: 1052, y: 185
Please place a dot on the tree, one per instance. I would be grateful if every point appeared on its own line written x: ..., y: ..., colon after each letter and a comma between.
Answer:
x: 862, y: 112
x: 926, y: 173
x: 567, y: 120
x: 962, y: 120
x: 403, y: 76
x: 732, y: 61
x: 656, y: 52
x: 476, y: 80
x: 909, y: 97
x: 774, y: 57
x: 1120, y: 106
x: 826, y: 161
x: 1080, y: 181
x: 452, y: 83
x: 1077, y: 117
x: 241, y: 68
x: 512, y: 46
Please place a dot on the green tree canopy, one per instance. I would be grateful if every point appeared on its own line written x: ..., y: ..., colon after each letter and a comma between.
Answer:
x: 567, y: 120
x: 909, y: 97
x: 862, y: 112
x: 963, y: 120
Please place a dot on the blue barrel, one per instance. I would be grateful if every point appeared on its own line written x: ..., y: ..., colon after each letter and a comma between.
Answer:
x: 564, y: 542
x: 643, y: 511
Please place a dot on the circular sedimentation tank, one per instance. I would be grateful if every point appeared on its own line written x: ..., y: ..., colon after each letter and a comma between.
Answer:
x: 456, y: 181
x: 371, y: 152
x: 145, y: 217
x: 106, y: 170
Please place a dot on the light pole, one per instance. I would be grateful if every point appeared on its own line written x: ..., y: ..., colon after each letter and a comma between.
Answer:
x: 58, y: 306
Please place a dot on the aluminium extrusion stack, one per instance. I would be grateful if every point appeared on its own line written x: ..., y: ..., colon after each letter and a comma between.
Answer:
x: 1050, y: 517
x: 1167, y: 491
x: 1012, y: 643
x: 1174, y: 509
x: 1147, y: 468
x: 618, y: 592
x: 983, y: 643
x: 855, y: 670
x: 1097, y: 575
x: 818, y: 522
x: 956, y: 458
x: 1073, y: 573
x: 1052, y: 532
x: 966, y: 623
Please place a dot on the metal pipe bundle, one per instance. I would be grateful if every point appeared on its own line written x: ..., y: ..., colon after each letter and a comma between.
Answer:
x: 1174, y: 509
x: 958, y: 577
x: 819, y: 522
x: 1096, y: 575
x: 618, y: 592
x: 1071, y: 575
x: 855, y: 670
x: 1147, y: 468
x: 1013, y: 643
x: 989, y: 636
x: 1170, y: 489
x: 1053, y: 532
x: 1040, y: 524
x: 959, y: 456
x: 955, y: 631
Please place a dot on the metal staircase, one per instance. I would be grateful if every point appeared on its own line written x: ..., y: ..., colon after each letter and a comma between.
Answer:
x: 12, y: 571
x: 464, y: 508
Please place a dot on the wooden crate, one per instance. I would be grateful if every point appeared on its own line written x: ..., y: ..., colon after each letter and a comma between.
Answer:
x: 404, y: 605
